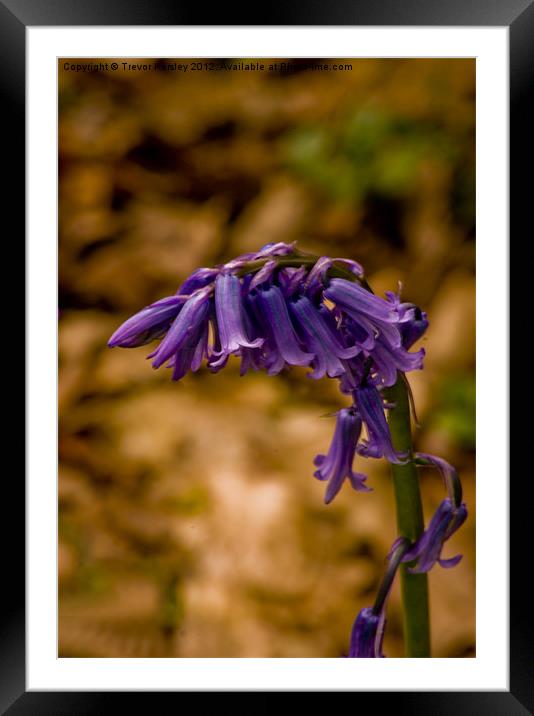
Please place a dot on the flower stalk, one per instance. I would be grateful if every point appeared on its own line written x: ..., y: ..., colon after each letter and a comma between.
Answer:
x: 298, y: 259
x: 410, y: 522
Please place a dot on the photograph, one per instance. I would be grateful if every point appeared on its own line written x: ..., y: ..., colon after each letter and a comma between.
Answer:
x: 267, y: 354
x: 266, y: 357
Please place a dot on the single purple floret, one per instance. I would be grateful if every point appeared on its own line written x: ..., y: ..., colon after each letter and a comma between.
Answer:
x: 150, y: 323
x: 367, y: 635
x: 193, y: 316
x: 427, y: 550
x: 271, y: 310
x: 321, y: 338
x: 189, y: 357
x: 336, y: 465
x: 200, y: 278
x: 352, y: 298
x: 388, y: 360
x: 412, y: 330
x: 230, y: 317
x: 412, y: 321
x: 371, y: 407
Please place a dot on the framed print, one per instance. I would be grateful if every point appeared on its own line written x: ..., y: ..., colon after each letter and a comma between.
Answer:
x: 303, y: 223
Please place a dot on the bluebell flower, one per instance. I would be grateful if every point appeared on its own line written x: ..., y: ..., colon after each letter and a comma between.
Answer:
x: 426, y: 551
x: 191, y: 319
x: 376, y: 325
x: 336, y: 465
x: 371, y: 408
x: 282, y: 342
x: 367, y: 635
x: 217, y: 358
x: 357, y: 301
x: 320, y: 338
x: 413, y: 322
x: 200, y: 278
x: 368, y: 630
x: 361, y: 330
x: 150, y: 323
x: 265, y: 274
x: 413, y: 329
x: 191, y: 353
x: 230, y: 318
x: 388, y: 360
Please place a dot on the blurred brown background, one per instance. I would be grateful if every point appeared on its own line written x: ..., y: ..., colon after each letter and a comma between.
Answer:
x: 189, y: 521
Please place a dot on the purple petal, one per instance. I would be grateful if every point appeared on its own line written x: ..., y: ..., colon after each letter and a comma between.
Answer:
x: 276, y: 249
x: 352, y: 297
x: 263, y: 275
x: 370, y: 405
x: 198, y: 279
x: 276, y: 318
x: 230, y: 319
x: 320, y: 339
x: 194, y: 313
x: 336, y: 466
x: 388, y: 360
x: 316, y: 277
x: 291, y: 279
x: 148, y: 324
x: 427, y: 549
x: 367, y: 635
x: 411, y: 331
x: 448, y: 563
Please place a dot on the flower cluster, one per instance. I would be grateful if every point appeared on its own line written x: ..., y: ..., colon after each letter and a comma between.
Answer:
x: 278, y: 308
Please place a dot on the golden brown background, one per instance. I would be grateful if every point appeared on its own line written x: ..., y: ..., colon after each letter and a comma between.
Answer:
x: 189, y: 521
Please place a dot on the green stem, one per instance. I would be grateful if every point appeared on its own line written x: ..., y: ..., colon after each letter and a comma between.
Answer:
x: 414, y: 587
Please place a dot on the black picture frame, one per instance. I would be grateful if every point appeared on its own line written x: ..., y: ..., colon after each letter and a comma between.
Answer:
x: 15, y: 16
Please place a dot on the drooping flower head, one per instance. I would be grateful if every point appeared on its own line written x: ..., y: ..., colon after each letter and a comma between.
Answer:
x: 277, y: 308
